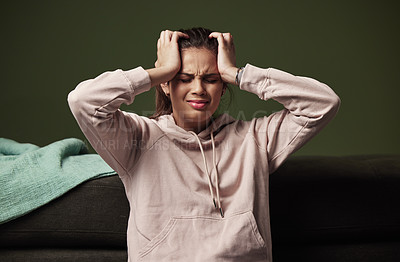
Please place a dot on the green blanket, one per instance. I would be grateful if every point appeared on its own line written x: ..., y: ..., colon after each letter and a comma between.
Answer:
x: 31, y: 176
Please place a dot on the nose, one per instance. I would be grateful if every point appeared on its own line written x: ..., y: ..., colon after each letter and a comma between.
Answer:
x: 198, y: 88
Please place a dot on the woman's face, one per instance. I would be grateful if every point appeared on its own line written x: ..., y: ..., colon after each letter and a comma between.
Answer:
x: 196, y: 90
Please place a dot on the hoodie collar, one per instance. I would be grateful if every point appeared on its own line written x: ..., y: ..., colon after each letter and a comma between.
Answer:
x: 180, y: 135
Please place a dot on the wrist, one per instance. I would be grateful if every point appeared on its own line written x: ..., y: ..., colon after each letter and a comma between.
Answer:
x: 159, y: 75
x: 229, y: 75
x: 239, y: 74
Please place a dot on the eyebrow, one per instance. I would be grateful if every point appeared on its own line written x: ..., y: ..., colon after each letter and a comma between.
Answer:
x: 205, y: 75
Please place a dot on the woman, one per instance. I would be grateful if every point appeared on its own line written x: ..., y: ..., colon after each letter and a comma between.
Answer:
x: 198, y: 185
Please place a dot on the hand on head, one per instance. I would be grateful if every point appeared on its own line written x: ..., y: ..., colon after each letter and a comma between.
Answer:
x: 168, y: 56
x: 226, y: 56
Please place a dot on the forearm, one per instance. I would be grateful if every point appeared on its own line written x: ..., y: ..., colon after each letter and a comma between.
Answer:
x: 160, y: 75
x: 309, y: 106
x: 103, y: 95
x: 95, y: 103
x: 306, y: 98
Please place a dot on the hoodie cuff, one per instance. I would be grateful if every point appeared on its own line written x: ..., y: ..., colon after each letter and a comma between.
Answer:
x: 138, y: 79
x: 254, y: 79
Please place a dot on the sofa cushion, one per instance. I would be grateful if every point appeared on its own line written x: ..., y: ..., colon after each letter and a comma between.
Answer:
x: 63, y: 255
x: 336, y: 199
x: 94, y: 214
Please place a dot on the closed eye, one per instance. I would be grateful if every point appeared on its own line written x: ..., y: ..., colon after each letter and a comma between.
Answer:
x: 211, y: 81
x: 185, y: 80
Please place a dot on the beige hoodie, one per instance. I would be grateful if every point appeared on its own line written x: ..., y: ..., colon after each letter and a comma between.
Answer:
x: 173, y: 177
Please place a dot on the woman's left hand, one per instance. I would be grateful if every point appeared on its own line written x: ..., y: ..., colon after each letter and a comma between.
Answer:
x: 226, y: 58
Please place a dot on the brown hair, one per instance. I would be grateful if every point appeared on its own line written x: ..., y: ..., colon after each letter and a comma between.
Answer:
x: 198, y: 38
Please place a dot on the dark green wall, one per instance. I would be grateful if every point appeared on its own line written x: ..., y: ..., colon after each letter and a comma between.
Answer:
x: 48, y: 47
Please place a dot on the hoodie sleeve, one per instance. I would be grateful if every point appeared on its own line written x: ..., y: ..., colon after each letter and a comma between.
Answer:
x: 309, y: 106
x: 114, y: 134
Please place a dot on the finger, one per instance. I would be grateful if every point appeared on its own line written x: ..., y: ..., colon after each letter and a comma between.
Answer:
x: 163, y: 36
x: 222, y: 37
x: 161, y: 39
x: 227, y: 36
x: 176, y: 35
x: 167, y: 35
x: 215, y: 35
x: 218, y: 36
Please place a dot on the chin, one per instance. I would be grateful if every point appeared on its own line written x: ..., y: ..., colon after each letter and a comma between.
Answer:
x: 196, y: 116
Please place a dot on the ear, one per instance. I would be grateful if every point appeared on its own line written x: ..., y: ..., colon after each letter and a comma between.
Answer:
x: 165, y: 88
x: 224, y: 89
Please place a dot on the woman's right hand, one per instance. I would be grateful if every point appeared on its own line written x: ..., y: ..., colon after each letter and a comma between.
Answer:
x: 168, y: 61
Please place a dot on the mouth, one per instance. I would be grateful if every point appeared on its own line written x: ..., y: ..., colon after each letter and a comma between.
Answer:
x: 198, y: 104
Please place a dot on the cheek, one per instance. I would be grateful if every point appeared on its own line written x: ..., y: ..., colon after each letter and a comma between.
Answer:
x: 217, y: 93
x: 178, y: 90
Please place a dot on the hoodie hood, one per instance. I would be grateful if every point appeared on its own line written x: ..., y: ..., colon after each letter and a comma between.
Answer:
x: 184, y: 138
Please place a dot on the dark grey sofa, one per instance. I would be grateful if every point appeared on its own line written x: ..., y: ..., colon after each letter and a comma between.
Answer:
x: 323, y: 209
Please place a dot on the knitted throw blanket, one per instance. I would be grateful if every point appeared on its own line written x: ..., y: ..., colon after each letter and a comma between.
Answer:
x: 31, y: 176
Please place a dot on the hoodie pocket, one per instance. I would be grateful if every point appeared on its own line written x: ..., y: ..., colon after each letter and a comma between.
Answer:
x: 234, y: 238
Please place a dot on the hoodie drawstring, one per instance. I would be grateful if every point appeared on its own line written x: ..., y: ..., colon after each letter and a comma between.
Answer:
x: 208, y: 173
